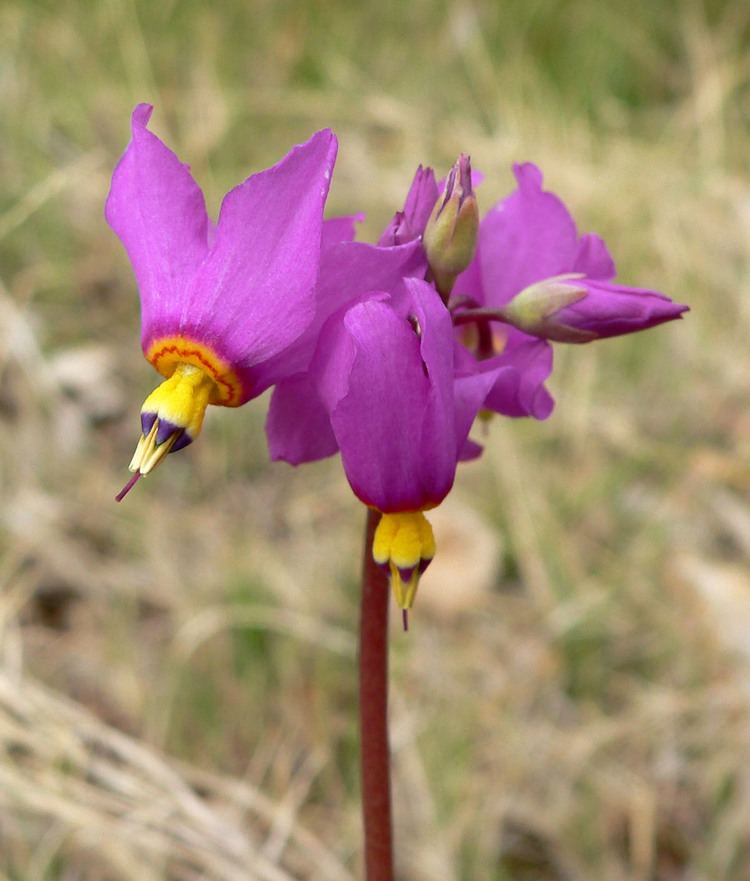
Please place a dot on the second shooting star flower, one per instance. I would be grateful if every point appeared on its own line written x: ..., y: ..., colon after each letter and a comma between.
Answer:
x: 382, y: 389
x: 219, y: 304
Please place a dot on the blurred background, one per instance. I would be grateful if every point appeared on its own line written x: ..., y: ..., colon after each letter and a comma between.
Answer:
x: 177, y: 673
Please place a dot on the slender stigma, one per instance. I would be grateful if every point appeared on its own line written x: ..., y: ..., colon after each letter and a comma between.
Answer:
x: 171, y: 418
x: 404, y: 546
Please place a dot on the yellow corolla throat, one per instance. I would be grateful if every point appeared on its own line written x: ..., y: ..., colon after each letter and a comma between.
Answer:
x: 404, y: 544
x: 167, y: 353
x: 172, y: 415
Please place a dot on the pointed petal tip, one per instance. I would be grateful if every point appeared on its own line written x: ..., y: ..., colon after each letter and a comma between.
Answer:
x: 141, y: 115
x: 313, y: 157
x: 327, y: 139
x: 528, y: 175
x: 674, y: 312
x: 326, y: 134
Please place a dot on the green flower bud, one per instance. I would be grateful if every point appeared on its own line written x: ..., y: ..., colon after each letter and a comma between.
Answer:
x: 450, y: 237
x: 534, y: 309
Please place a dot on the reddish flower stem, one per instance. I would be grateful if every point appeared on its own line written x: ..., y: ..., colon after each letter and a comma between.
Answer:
x: 479, y: 315
x: 373, y: 714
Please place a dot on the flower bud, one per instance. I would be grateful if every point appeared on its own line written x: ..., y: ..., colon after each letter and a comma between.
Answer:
x: 534, y: 309
x: 450, y: 237
x: 574, y: 309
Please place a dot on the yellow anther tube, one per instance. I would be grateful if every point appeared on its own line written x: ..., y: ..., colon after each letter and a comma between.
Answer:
x: 179, y: 402
x: 406, y: 544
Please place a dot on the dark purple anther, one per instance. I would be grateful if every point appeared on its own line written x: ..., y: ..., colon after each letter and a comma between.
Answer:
x: 183, y: 440
x: 147, y: 422
x: 406, y: 573
x: 165, y: 430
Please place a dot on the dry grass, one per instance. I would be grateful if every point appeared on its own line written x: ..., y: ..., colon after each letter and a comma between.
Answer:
x: 177, y: 673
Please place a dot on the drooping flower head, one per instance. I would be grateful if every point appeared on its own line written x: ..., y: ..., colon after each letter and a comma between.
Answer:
x: 382, y: 388
x: 219, y: 304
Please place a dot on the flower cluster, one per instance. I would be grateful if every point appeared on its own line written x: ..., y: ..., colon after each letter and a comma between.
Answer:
x: 383, y: 352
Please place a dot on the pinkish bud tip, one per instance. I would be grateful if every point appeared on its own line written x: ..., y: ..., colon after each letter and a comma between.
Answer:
x: 464, y: 177
x: 462, y: 171
x: 128, y: 486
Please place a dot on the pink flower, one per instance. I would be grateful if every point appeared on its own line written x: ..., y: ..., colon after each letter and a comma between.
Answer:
x: 219, y: 304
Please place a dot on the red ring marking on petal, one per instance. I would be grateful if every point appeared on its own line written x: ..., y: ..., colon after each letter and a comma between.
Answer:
x: 229, y: 385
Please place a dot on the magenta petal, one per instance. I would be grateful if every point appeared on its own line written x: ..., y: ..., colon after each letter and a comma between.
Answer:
x: 158, y: 211
x: 254, y: 294
x: 612, y: 310
x: 469, y: 284
x: 340, y: 229
x: 526, y: 237
x: 593, y: 258
x: 297, y: 426
x: 420, y: 200
x: 348, y: 270
x: 470, y: 393
x: 394, y: 416
x: 519, y: 385
x: 470, y: 451
x: 378, y: 420
x: 409, y: 224
x: 511, y: 383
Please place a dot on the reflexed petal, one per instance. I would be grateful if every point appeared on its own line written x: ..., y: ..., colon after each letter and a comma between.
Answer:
x: 470, y: 451
x: 378, y: 420
x: 409, y: 224
x: 519, y: 385
x: 526, y: 237
x: 469, y: 283
x: 158, y: 211
x: 254, y: 294
x: 348, y: 270
x: 297, y: 426
x: 340, y: 229
x: 470, y: 393
x: 593, y: 258
x: 394, y: 417
x: 352, y: 268
x: 420, y: 199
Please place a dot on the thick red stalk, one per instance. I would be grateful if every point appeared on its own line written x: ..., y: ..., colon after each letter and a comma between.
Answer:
x: 373, y: 714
